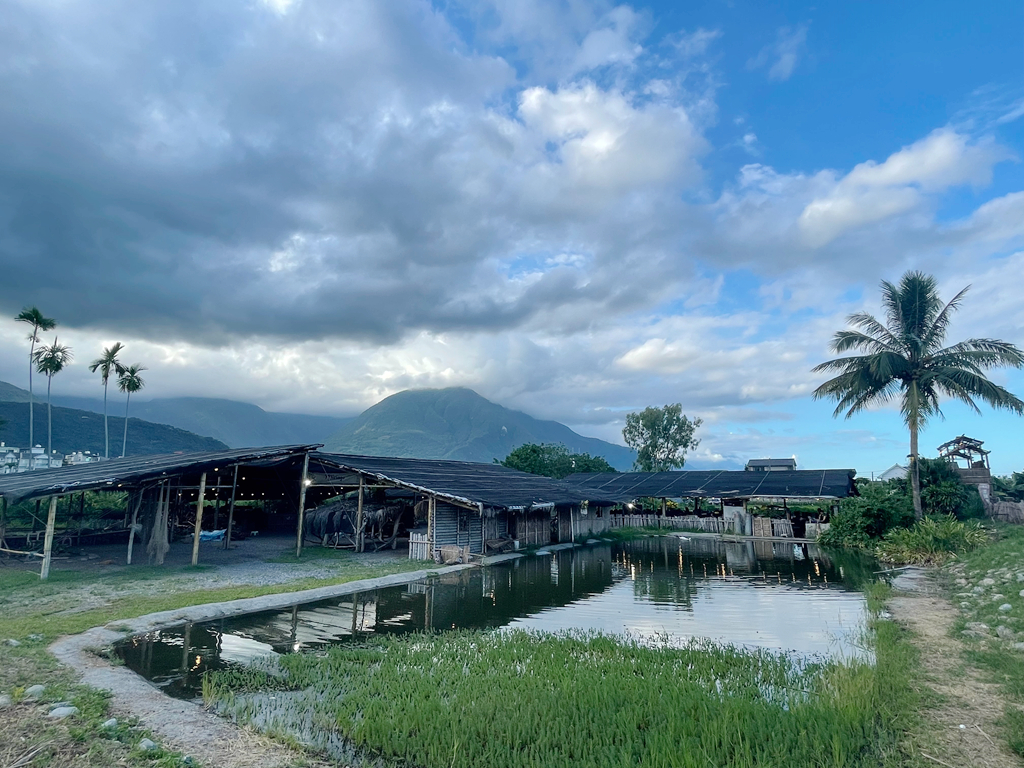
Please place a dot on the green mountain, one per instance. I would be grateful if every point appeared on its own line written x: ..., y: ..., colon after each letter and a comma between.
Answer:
x: 76, y: 430
x: 457, y: 423
x: 12, y: 394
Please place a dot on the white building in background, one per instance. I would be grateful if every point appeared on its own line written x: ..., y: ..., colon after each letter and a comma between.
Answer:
x: 895, y: 472
x: 23, y: 459
x: 80, y: 457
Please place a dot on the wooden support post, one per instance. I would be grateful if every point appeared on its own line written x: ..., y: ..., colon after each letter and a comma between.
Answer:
x: 3, y: 521
x: 231, y: 509
x: 81, y: 517
x: 431, y: 507
x: 303, y: 482
x: 359, y: 517
x: 51, y: 520
x: 199, y: 519
x: 664, y: 512
x: 135, y: 517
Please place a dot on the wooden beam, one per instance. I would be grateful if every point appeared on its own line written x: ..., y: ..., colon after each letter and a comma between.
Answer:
x: 359, y: 517
x: 199, y: 519
x: 51, y: 521
x: 231, y: 509
x: 135, y: 517
x: 303, y: 482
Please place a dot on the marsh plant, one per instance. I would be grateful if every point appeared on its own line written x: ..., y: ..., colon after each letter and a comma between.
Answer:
x: 515, y: 698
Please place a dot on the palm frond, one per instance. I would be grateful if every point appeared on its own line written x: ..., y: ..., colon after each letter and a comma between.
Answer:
x: 844, y: 341
x: 870, y: 325
x: 940, y: 325
x: 975, y: 385
x: 983, y: 353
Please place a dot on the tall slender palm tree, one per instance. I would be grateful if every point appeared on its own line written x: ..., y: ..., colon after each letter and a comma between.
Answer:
x: 39, y: 322
x: 106, y: 364
x: 50, y: 361
x: 905, y: 359
x: 129, y: 381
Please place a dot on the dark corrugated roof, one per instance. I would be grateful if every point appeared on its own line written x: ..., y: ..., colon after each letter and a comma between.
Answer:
x: 460, y: 481
x: 132, y: 471
x: 801, y: 483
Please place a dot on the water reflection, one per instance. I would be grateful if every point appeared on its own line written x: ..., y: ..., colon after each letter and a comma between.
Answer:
x: 753, y: 593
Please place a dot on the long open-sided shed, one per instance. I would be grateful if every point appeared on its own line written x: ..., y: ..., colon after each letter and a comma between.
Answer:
x: 463, y: 504
x: 156, y: 485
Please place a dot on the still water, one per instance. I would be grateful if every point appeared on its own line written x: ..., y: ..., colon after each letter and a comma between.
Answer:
x: 780, y: 596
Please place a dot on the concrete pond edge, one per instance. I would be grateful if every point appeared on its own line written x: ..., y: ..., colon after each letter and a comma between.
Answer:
x: 185, y: 725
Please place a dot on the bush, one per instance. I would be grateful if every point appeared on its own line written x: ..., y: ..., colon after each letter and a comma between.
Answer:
x: 880, y: 508
x: 932, y: 541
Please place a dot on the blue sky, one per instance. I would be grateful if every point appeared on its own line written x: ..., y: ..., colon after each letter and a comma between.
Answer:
x: 576, y: 208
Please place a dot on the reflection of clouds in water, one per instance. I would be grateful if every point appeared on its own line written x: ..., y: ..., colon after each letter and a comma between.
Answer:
x: 729, y: 611
x: 242, y: 649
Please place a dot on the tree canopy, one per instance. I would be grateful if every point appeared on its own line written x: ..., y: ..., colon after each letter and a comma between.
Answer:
x: 661, y: 437
x: 553, y: 461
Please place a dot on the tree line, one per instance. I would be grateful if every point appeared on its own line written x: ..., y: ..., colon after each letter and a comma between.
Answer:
x: 50, y: 359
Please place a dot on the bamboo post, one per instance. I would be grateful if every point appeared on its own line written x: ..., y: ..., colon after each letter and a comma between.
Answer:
x: 359, y: 517
x: 231, y: 509
x: 430, y: 526
x: 135, y: 517
x: 664, y: 512
x: 301, y: 534
x: 51, y: 520
x: 199, y: 519
x: 3, y: 522
x: 81, y: 517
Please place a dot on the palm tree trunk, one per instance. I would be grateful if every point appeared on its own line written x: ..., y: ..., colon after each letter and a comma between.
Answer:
x: 49, y: 423
x: 124, y: 445
x: 915, y: 472
x: 106, y: 429
x: 31, y: 403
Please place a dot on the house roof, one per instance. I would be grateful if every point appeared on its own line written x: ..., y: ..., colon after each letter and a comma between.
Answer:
x: 771, y: 463
x: 463, y: 483
x: 802, y: 483
x: 134, y: 471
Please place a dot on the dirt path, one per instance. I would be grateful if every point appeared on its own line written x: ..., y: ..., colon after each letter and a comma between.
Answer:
x: 963, y: 721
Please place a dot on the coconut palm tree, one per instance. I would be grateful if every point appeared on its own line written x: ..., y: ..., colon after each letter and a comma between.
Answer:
x: 106, y: 364
x: 50, y: 361
x: 39, y: 322
x: 905, y: 360
x: 129, y: 381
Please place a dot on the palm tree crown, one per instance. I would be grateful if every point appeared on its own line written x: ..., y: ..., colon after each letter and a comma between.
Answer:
x: 106, y: 364
x: 50, y: 361
x: 39, y: 322
x: 129, y: 381
x: 905, y: 358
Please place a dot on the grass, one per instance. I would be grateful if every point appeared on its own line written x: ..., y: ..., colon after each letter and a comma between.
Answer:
x: 511, y: 699
x: 932, y: 541
x: 988, y: 579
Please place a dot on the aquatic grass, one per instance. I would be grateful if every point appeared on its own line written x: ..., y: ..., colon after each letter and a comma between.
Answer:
x: 932, y: 541
x: 515, y: 698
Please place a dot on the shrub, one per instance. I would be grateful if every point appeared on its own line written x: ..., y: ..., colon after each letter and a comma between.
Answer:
x: 932, y: 541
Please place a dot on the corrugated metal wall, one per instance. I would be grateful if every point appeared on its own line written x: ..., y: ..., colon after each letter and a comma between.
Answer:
x: 455, y: 525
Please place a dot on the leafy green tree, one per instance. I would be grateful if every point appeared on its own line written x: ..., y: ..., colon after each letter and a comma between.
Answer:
x: 50, y: 361
x: 905, y: 360
x: 1010, y: 487
x: 106, y: 364
x: 39, y: 322
x: 553, y: 460
x: 661, y: 437
x: 129, y: 381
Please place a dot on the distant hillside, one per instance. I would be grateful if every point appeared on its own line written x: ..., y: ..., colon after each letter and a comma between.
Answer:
x: 459, y: 424
x: 237, y: 424
x: 75, y: 430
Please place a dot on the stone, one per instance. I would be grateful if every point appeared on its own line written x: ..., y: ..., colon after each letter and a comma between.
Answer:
x: 109, y: 724
x: 973, y: 633
x: 1020, y: 576
x: 147, y: 746
x: 33, y: 692
x: 35, y: 637
x: 1021, y: 593
x: 1005, y: 632
x: 998, y: 597
x: 61, y: 712
x: 961, y: 582
x: 987, y: 582
x: 978, y: 590
x: 57, y: 704
x: 965, y: 605
x: 12, y: 642
x: 977, y: 626
x: 1005, y: 607
x: 5, y: 700
x: 1018, y: 646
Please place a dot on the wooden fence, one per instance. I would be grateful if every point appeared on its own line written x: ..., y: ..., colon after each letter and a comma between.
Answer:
x: 685, y: 522
x: 419, y: 547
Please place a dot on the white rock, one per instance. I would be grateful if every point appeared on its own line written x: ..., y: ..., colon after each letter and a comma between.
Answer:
x: 61, y: 712
x: 987, y: 582
x: 5, y: 700
x: 1021, y: 593
x: 108, y: 724
x: 147, y: 746
x: 1018, y: 646
x: 1005, y: 607
x: 998, y: 597
x: 977, y: 626
x: 33, y: 692
x: 13, y: 643
x: 1005, y: 632
x: 978, y: 590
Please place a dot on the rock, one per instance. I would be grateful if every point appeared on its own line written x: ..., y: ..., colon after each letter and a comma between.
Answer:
x: 977, y: 626
x: 35, y: 637
x: 973, y: 633
x: 33, y: 692
x: 1005, y: 607
x: 965, y: 605
x: 12, y: 642
x: 57, y: 704
x: 1020, y: 576
x: 109, y: 724
x: 61, y: 712
x: 978, y: 590
x: 987, y: 582
x: 1021, y: 593
x: 1005, y: 632
x: 1018, y: 646
x: 147, y: 746
x: 961, y: 582
x: 5, y: 700
x: 998, y: 597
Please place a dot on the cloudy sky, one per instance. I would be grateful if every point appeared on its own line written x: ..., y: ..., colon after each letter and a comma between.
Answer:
x: 576, y: 208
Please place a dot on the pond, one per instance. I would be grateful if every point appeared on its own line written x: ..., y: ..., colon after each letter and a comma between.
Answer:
x: 787, y: 597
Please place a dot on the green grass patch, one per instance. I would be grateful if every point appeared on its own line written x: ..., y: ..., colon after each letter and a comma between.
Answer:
x: 932, y: 541
x: 511, y: 699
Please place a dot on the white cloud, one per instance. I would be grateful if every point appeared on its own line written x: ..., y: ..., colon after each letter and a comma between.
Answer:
x: 783, y: 55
